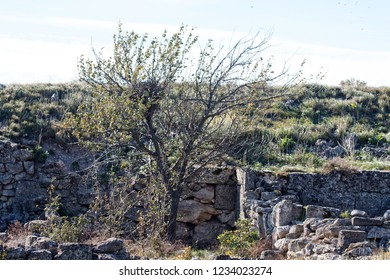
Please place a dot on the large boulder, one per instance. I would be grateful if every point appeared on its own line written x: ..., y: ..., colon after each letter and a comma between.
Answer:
x: 205, y: 234
x: 204, y: 195
x: 108, y: 246
x: 314, y: 211
x: 74, y: 251
x: 364, y: 221
x: 346, y: 237
x: 194, y: 212
x: 379, y: 233
x: 286, y: 212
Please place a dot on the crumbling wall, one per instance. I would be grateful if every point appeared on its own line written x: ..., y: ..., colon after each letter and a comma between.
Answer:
x: 318, y: 216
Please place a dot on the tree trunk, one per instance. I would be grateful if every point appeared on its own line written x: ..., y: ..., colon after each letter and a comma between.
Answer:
x: 171, y: 227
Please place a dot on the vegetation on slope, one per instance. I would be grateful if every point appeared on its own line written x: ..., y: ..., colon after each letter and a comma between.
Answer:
x: 283, y: 132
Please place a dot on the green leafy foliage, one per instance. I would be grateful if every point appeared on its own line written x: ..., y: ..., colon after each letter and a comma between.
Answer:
x: 239, y: 240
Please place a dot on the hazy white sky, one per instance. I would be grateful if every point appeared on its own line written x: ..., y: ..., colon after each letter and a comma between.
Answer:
x: 41, y: 40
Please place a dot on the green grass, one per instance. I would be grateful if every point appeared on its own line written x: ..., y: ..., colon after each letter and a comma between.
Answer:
x: 281, y: 133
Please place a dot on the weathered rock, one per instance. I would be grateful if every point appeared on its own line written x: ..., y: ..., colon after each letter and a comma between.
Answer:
x: 313, y: 211
x: 268, y: 195
x: 45, y: 243
x: 227, y: 218
x: 285, y: 212
x: 358, y: 213
x: 23, y: 155
x: 360, y: 249
x: 363, y: 221
x: 74, y: 251
x: 194, y: 212
x: 14, y: 168
x: 295, y: 231
x: 281, y: 232
x: 8, y: 193
x: 272, y: 255
x: 347, y: 237
x: 29, y: 167
x: 378, y: 233
x: 40, y: 255
x: 17, y: 253
x: 298, y: 244
x: 386, y: 216
x: 282, y: 244
x: 182, y: 231
x: 225, y: 197
x: 386, y: 224
x: 205, y: 234
x: 108, y: 246
x: 6, y: 179
x: 204, y: 195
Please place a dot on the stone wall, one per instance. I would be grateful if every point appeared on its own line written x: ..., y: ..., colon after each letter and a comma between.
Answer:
x: 25, y: 180
x: 364, y: 190
x: 318, y: 216
x: 208, y: 205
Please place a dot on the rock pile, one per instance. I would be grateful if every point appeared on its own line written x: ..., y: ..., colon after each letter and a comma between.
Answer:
x: 43, y: 248
x: 322, y: 234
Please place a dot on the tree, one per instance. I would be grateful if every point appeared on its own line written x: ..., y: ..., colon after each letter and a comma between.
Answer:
x: 174, y: 111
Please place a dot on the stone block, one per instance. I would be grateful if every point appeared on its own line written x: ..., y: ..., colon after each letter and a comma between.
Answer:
x: 74, y: 251
x: 194, y: 212
x: 272, y: 255
x: 22, y: 155
x: 6, y: 179
x: 225, y: 197
x: 281, y: 232
x: 364, y: 221
x: 40, y: 255
x: 204, y: 195
x: 268, y: 195
x: 347, y: 237
x: 358, y: 213
x: 205, y: 234
x: 379, y: 233
x: 182, y: 231
x: 285, y: 212
x: 108, y: 246
x: 314, y: 211
x: 29, y: 167
x: 8, y: 193
x: 14, y: 168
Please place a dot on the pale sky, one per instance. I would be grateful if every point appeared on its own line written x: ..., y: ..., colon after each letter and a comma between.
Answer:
x: 40, y: 41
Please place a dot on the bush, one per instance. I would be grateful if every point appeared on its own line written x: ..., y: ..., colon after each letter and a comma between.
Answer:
x: 238, y: 241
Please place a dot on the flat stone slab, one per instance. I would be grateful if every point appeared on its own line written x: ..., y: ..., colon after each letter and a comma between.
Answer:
x: 347, y: 237
x: 363, y: 221
x: 378, y: 232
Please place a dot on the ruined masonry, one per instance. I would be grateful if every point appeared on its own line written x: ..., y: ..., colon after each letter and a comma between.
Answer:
x: 309, y: 216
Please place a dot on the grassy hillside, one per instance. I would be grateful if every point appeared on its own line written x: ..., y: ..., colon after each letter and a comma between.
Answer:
x: 29, y: 113
x: 311, y: 127
x: 314, y: 123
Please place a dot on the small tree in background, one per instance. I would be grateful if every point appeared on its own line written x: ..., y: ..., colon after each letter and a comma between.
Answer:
x: 169, y: 113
